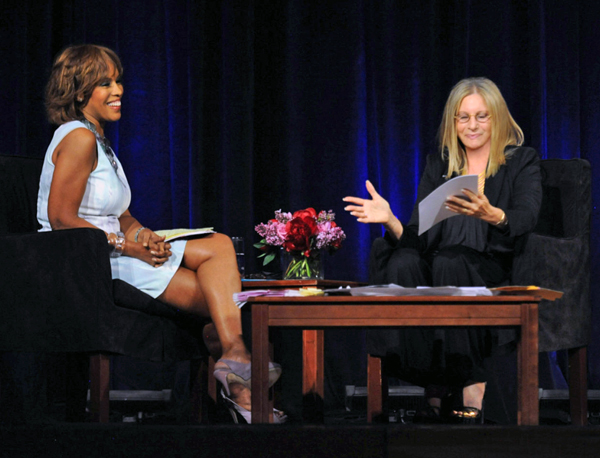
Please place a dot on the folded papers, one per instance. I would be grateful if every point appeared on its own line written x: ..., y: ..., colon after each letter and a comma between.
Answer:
x: 433, y: 209
x: 243, y: 296
x: 396, y: 290
x: 174, y: 234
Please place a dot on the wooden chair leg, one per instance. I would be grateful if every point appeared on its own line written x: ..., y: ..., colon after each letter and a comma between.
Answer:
x: 212, y: 382
x: 377, y: 391
x: 99, y: 387
x: 204, y: 391
x: 578, y: 385
x: 77, y: 383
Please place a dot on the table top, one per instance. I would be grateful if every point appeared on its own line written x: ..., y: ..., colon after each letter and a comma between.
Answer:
x: 361, y: 300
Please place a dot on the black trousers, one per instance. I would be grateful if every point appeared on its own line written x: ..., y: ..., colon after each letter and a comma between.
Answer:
x: 451, y: 356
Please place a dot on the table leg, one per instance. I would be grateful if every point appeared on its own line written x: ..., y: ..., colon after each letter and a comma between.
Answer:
x: 528, y: 393
x: 313, y: 387
x: 377, y: 390
x: 261, y: 409
x: 313, y: 365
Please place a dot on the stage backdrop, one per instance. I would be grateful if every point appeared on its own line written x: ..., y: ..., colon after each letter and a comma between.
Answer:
x: 234, y: 109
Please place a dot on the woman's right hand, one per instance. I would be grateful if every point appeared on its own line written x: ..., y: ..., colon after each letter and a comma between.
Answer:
x: 374, y: 210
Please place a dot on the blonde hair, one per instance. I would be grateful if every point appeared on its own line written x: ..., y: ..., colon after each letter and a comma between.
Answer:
x: 76, y: 72
x: 505, y: 131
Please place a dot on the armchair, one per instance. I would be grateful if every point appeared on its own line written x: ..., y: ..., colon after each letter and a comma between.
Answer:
x: 58, y: 295
x: 556, y: 256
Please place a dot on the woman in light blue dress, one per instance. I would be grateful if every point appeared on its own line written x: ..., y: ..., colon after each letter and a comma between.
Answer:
x: 83, y: 185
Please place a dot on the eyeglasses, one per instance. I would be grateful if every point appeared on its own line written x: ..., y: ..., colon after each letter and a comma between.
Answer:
x: 481, y: 117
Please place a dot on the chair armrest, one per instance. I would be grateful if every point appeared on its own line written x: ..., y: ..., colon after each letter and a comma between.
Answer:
x: 561, y: 264
x: 51, y: 281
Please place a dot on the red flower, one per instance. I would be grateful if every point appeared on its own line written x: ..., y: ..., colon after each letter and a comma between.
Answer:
x: 309, y: 212
x: 299, y: 232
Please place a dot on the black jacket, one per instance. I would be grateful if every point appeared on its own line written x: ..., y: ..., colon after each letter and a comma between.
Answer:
x: 516, y: 188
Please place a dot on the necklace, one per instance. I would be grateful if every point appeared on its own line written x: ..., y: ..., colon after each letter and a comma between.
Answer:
x: 110, y: 154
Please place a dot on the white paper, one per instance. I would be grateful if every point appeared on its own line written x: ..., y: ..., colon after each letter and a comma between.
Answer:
x: 395, y: 290
x: 174, y: 234
x: 242, y: 297
x: 433, y: 209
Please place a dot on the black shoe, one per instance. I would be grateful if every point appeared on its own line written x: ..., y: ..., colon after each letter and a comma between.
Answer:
x: 428, y: 415
x: 467, y: 416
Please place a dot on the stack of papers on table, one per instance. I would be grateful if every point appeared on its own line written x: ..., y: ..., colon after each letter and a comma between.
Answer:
x: 396, y: 290
x: 241, y: 297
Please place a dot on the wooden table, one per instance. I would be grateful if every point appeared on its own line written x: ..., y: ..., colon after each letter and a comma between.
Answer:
x: 314, y: 314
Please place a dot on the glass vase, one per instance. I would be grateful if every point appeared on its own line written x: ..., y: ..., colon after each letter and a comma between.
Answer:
x: 299, y: 267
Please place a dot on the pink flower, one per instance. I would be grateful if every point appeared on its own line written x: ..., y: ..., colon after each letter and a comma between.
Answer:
x: 300, y: 232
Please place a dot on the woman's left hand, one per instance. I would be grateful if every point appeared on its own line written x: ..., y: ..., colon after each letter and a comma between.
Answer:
x: 474, y: 205
x: 160, y: 250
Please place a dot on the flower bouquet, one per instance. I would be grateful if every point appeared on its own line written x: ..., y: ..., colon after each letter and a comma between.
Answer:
x: 304, y: 235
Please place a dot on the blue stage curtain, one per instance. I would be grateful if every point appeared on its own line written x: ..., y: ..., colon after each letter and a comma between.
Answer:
x: 234, y: 109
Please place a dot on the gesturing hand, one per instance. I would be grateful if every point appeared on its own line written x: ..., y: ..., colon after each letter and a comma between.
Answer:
x: 374, y: 210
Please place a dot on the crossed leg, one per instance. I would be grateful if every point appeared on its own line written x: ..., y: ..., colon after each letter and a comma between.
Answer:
x: 204, y: 285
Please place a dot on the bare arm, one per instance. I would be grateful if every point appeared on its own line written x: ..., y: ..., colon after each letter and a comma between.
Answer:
x: 374, y: 210
x: 74, y: 159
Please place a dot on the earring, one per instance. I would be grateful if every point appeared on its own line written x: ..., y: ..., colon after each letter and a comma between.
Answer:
x: 80, y: 99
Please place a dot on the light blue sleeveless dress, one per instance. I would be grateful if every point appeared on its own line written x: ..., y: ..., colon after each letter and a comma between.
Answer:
x: 107, y: 196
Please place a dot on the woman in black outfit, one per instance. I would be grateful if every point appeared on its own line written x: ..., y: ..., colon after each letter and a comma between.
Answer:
x: 475, y: 248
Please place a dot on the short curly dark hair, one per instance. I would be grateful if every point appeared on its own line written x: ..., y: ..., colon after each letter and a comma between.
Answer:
x: 76, y: 72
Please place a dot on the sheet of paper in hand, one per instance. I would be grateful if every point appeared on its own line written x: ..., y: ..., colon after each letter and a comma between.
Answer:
x: 433, y: 209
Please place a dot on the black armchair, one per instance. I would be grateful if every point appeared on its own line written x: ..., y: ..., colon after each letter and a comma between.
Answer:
x: 557, y: 256
x: 57, y: 294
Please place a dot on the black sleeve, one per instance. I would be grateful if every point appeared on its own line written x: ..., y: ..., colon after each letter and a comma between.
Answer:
x: 526, y: 192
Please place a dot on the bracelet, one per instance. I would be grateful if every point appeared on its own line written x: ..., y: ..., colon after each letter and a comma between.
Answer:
x: 502, y: 221
x: 119, y: 245
x: 135, y: 239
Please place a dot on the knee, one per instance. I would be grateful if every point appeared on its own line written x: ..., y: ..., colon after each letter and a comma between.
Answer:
x: 379, y: 245
x: 212, y: 246
x: 449, y: 260
x: 406, y: 267
x: 221, y: 243
x: 223, y: 240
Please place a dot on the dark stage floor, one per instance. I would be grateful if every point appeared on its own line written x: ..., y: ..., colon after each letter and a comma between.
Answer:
x: 120, y: 440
